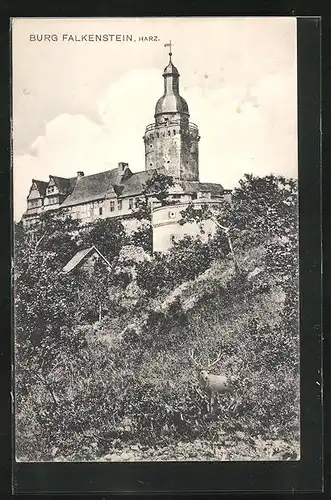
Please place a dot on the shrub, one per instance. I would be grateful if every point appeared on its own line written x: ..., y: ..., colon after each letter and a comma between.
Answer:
x: 189, y: 258
x: 88, y: 383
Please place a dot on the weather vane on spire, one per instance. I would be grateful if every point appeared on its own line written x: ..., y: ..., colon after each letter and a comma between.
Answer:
x: 169, y: 45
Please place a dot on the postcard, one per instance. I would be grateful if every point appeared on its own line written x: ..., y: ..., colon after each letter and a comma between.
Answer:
x: 156, y: 292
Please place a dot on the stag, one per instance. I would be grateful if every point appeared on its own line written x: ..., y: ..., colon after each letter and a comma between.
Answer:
x: 212, y: 384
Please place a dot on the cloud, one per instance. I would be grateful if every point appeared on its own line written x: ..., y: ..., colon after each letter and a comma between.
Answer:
x: 243, y: 129
x: 75, y: 142
x: 240, y: 134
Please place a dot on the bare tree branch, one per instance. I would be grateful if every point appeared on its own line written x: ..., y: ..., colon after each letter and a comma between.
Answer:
x: 39, y: 241
x: 226, y: 231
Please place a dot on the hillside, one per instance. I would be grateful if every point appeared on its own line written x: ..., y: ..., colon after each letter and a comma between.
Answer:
x: 124, y: 387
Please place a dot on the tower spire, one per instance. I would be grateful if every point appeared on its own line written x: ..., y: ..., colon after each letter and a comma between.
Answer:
x: 172, y: 141
x: 170, y: 53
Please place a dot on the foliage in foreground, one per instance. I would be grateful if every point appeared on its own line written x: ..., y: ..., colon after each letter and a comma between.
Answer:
x: 85, y: 387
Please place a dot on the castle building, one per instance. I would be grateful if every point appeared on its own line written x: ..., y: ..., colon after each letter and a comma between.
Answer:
x: 171, y: 147
x: 172, y: 141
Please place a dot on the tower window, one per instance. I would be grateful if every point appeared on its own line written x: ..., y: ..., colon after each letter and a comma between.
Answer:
x: 169, y: 132
x: 174, y: 132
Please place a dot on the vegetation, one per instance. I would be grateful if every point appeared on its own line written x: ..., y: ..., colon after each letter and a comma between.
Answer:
x: 119, y: 385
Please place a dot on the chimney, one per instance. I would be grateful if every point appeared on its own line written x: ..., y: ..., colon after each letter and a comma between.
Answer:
x: 122, y: 166
x: 80, y: 174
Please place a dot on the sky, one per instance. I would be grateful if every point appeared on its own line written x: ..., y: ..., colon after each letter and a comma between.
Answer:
x: 84, y: 105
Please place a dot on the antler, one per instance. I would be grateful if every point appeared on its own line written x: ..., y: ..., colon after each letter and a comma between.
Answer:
x: 191, y: 355
x: 219, y: 356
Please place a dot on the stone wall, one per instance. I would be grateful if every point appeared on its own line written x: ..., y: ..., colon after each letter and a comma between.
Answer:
x: 173, y: 145
x: 167, y: 230
x: 189, y: 158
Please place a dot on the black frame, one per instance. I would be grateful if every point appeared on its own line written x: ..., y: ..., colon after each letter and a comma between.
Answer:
x: 305, y: 475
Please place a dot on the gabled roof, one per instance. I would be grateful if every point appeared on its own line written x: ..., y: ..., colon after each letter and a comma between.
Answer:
x: 63, y: 184
x: 118, y: 183
x: 80, y: 256
x: 93, y: 187
x: 136, y: 183
x: 109, y: 184
x: 41, y: 186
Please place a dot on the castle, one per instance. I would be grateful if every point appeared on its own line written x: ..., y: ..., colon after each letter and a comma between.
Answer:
x: 171, y: 147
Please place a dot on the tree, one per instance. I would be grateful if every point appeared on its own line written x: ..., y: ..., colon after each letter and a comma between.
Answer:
x: 54, y: 234
x: 187, y: 259
x: 143, y: 236
x: 108, y: 235
x: 262, y: 209
x: 266, y: 207
x: 220, y: 216
x: 155, y: 188
x: 158, y: 187
x: 93, y: 292
x: 78, y: 379
x: 265, y: 213
x: 44, y: 296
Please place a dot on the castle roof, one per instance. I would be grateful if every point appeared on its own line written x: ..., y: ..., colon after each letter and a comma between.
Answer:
x: 116, y: 183
x: 171, y: 103
x: 135, y: 185
x: 63, y: 184
x: 202, y: 187
x: 93, y: 187
x: 41, y: 186
x: 170, y: 69
x: 110, y: 184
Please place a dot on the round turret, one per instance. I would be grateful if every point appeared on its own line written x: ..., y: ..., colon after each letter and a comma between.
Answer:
x: 171, y: 142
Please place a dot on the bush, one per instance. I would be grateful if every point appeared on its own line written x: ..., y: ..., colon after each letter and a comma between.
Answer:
x: 113, y: 389
x: 185, y: 261
x: 95, y: 374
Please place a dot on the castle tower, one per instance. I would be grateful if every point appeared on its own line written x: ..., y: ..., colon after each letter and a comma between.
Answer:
x: 172, y: 141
